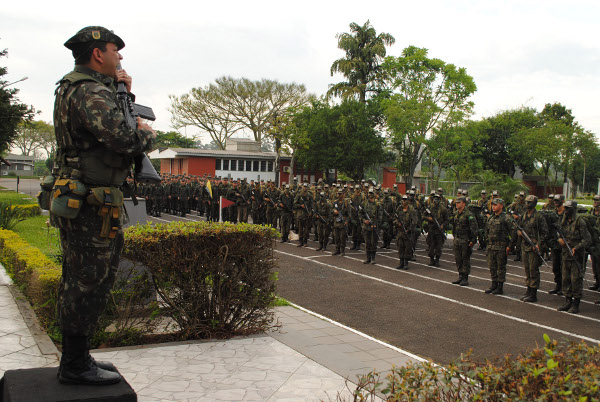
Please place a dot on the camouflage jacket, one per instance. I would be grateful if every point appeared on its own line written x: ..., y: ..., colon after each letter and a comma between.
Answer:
x: 93, y: 138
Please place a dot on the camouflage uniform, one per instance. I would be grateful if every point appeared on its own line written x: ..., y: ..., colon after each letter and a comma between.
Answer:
x: 406, y: 220
x: 341, y: 216
x: 498, y: 230
x: 464, y: 229
x: 370, y: 215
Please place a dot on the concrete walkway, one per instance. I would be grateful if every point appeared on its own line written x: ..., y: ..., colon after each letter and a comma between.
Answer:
x: 308, y: 358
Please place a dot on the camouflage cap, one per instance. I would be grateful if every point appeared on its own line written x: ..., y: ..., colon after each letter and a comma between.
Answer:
x: 571, y: 204
x: 522, y: 194
x: 461, y: 199
x: 550, y: 196
x: 498, y: 201
x: 531, y: 198
x: 440, y: 190
x: 495, y: 192
x: 94, y: 34
x: 483, y: 192
x: 340, y: 191
x: 597, y: 197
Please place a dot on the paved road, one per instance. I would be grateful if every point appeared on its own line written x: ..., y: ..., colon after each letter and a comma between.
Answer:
x: 420, y: 311
x: 26, y: 186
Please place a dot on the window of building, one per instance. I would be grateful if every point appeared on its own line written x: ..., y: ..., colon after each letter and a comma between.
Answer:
x: 248, y: 166
x: 217, y: 164
x: 241, y: 166
x: 225, y: 164
x: 263, y: 166
x: 256, y: 166
x: 270, y: 166
x: 233, y: 165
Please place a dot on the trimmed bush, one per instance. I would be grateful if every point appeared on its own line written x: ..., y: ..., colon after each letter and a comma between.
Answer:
x: 216, y: 278
x: 35, y: 273
x: 558, y: 371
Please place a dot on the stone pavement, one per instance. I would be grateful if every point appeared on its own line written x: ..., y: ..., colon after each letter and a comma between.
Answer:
x: 308, y: 358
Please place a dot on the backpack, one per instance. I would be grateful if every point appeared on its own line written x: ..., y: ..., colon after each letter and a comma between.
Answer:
x: 590, y: 222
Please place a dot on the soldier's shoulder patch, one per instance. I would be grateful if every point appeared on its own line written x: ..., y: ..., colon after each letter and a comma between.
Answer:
x: 471, y: 217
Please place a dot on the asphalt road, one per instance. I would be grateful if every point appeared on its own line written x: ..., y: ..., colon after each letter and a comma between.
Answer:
x: 419, y: 310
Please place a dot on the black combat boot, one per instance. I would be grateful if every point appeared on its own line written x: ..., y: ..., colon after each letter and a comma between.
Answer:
x: 368, y: 260
x: 567, y: 305
x: 354, y: 245
x: 301, y: 242
x: 336, y: 252
x: 575, y: 306
x: 320, y: 247
x: 406, y: 264
x: 527, y: 294
x: 400, y: 264
x: 492, y: 288
x: 343, y: 251
x: 373, y: 257
x: 78, y: 367
x: 532, y: 298
x: 459, y: 280
x: 437, y: 260
x: 595, y: 286
x: 325, y: 245
x: 431, y: 261
x: 464, y: 281
x: 499, y: 290
x: 557, y: 289
x: 518, y: 257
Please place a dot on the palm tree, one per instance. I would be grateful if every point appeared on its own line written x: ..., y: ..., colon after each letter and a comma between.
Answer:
x: 364, y: 52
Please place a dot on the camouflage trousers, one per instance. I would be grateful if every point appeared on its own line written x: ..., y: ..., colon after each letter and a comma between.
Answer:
x: 531, y: 263
x: 436, y: 242
x: 462, y: 256
x: 404, y: 244
x: 89, y: 269
x: 496, y: 259
x: 370, y: 236
x: 340, y: 236
x: 557, y: 265
x: 572, y: 277
x: 286, y: 223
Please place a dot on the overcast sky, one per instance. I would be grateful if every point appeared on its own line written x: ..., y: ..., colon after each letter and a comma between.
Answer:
x: 519, y: 52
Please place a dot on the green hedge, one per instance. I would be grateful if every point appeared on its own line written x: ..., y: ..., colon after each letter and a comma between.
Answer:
x: 216, y: 278
x: 36, y: 274
x: 556, y: 372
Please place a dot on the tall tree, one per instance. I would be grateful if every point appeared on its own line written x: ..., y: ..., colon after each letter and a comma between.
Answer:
x: 33, y: 135
x: 499, y: 147
x: 341, y: 137
x: 361, y: 67
x: 12, y: 111
x: 427, y: 93
x: 203, y: 108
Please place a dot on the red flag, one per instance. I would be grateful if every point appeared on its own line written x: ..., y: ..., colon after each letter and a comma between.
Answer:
x: 225, y: 203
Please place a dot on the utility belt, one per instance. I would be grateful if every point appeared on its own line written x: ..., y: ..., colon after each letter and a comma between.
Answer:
x: 69, y: 195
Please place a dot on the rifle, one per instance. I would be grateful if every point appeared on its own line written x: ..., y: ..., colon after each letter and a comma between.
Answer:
x: 528, y: 239
x: 360, y: 208
x: 144, y: 171
x: 570, y: 250
x: 339, y: 217
x: 436, y: 223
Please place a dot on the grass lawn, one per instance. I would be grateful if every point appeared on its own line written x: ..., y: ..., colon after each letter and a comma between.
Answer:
x: 16, y: 198
x: 35, y: 232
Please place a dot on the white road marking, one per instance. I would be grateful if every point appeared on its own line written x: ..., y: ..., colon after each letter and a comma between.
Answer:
x: 509, y: 317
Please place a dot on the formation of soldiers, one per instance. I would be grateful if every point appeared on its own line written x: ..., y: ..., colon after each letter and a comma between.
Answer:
x: 559, y: 233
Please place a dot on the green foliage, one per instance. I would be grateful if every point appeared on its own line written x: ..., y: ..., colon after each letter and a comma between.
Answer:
x: 41, y: 168
x: 12, y: 112
x: 15, y: 198
x: 341, y: 136
x: 10, y: 215
x: 500, y: 139
x: 361, y: 67
x: 34, y: 135
x: 507, y: 186
x: 172, y: 139
x: 36, y: 231
x: 426, y: 94
x: 216, y: 279
x: 557, y: 371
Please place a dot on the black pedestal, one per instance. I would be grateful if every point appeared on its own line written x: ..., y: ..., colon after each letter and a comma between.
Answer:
x: 41, y: 384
